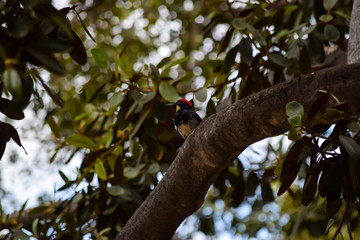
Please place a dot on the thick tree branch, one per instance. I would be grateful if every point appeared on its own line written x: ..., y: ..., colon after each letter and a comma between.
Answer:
x: 221, y: 138
x: 353, y: 51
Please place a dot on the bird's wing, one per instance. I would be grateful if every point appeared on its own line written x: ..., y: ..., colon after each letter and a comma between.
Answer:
x: 196, y: 117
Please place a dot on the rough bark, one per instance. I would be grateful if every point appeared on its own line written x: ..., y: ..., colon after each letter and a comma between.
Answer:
x: 354, y: 36
x: 221, y: 138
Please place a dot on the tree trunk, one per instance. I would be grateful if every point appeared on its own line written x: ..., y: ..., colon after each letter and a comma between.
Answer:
x: 220, y: 138
x: 353, y: 51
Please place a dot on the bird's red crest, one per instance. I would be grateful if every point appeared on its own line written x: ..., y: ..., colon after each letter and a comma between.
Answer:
x: 185, y: 101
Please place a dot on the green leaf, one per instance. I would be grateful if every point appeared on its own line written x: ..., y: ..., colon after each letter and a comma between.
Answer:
x: 290, y: 8
x: 351, y: 146
x: 81, y: 141
x: 153, y: 168
x: 116, y: 99
x: 115, y: 191
x: 168, y: 92
x: 257, y: 35
x: 133, y: 172
x: 201, y: 95
x: 326, y: 18
x: 293, y: 51
x: 147, y: 97
x: 331, y: 33
x: 64, y: 177
x: 176, y: 62
x: 12, y: 82
x: 55, y: 129
x: 293, y: 108
x: 293, y: 135
x: 39, y: 209
x: 239, y: 24
x: 329, y: 4
x: 100, y: 169
x: 99, y: 57
x: 295, y: 120
x: 279, y: 59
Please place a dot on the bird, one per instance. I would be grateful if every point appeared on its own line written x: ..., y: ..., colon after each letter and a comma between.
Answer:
x: 185, y: 118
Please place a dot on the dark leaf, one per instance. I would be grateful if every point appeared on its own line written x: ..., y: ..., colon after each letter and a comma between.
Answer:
x: 56, y: 98
x: 229, y: 59
x: 293, y: 156
x: 226, y: 40
x: 154, y: 71
x: 211, y: 24
x: 251, y: 184
x: 18, y: 25
x: 305, y: 60
x: 11, y: 109
x: 331, y: 33
x: 318, y: 105
x: 279, y: 59
x: 78, y: 52
x: 245, y: 49
x: 239, y: 191
x: 2, y: 146
x: 351, y: 146
x: 29, y: 3
x: 333, y: 206
x: 310, y: 184
x: 48, y: 60
x: 266, y: 191
x: 316, y: 48
x: 83, y: 25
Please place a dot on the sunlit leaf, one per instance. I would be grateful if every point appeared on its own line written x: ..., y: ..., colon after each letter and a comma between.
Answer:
x: 329, y: 4
x: 100, y: 169
x: 326, y: 18
x: 295, y: 120
x: 293, y: 108
x: 99, y: 57
x: 55, y: 129
x: 12, y: 82
x: 81, y: 141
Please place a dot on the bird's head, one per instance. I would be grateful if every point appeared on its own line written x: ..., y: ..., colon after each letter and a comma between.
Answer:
x: 181, y: 104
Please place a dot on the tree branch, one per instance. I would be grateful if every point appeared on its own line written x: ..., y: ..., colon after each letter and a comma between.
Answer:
x: 221, y: 138
x: 353, y: 51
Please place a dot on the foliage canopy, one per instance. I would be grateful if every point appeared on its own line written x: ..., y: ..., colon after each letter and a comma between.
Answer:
x: 108, y: 108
